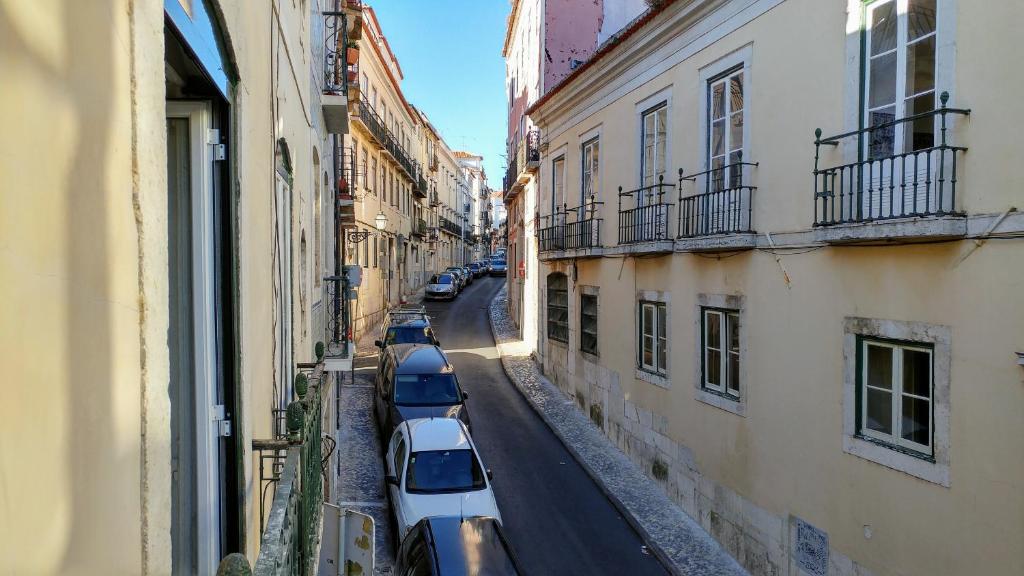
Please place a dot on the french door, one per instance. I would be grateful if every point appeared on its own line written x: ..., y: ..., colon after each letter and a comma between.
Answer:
x: 900, y: 69
x: 197, y: 405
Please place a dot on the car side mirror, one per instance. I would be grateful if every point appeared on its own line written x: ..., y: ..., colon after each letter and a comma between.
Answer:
x: 490, y: 475
x: 465, y: 395
x: 389, y: 479
x: 437, y: 342
x: 378, y: 343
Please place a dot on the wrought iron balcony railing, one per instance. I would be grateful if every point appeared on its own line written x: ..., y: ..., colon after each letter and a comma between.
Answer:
x: 450, y: 226
x: 421, y: 182
x: 335, y: 47
x: 572, y: 228
x: 511, y: 176
x: 420, y: 228
x: 294, y: 464
x: 528, y: 151
x: 884, y: 183
x: 647, y: 220
x: 724, y: 206
x: 434, y: 199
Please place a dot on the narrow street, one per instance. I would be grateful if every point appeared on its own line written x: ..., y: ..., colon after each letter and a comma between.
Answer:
x: 555, y: 516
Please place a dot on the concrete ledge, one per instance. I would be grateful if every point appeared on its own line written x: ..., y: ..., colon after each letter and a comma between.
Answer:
x: 655, y: 247
x: 718, y: 243
x: 896, y: 231
x: 581, y: 253
x: 335, y: 108
x: 676, y: 539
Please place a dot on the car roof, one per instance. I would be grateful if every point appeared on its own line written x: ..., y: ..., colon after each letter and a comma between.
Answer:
x: 409, y: 320
x: 427, y: 434
x: 419, y: 359
x: 469, y: 546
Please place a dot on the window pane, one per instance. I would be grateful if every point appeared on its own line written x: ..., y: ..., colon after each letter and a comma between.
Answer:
x: 648, y: 351
x: 920, y: 18
x: 883, y: 28
x: 734, y: 333
x: 879, y: 411
x: 917, y: 368
x: 718, y: 100
x: 713, y: 367
x: 647, y: 327
x: 921, y: 66
x: 662, y: 311
x: 736, y: 92
x: 736, y: 131
x: 718, y: 138
x: 920, y: 134
x: 734, y: 373
x: 881, y: 142
x: 883, y: 80
x: 879, y: 366
x: 712, y: 329
x: 915, y: 422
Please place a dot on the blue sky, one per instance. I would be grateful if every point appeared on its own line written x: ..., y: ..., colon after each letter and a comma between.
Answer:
x: 450, y: 54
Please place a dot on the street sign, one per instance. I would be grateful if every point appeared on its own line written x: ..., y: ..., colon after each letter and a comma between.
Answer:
x: 353, y: 275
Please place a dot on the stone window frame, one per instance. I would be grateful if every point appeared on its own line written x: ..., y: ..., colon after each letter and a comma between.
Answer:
x: 660, y: 297
x: 725, y: 402
x: 933, y: 469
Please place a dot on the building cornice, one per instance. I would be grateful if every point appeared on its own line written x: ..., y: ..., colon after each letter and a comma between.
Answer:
x: 513, y: 18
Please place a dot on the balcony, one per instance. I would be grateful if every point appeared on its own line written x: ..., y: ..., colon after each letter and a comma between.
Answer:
x: 420, y: 228
x: 887, y: 195
x: 450, y: 226
x: 292, y: 464
x: 571, y: 232
x: 719, y: 216
x: 368, y: 119
x: 434, y: 200
x: 420, y: 190
x: 644, y: 217
x: 339, y: 72
x: 338, y: 348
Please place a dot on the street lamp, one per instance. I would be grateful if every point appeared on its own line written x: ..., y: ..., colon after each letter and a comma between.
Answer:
x: 381, y: 221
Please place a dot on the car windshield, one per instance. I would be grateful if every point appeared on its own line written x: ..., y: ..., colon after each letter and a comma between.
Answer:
x: 408, y: 335
x: 442, y: 279
x: 426, y: 390
x: 499, y: 262
x: 440, y: 471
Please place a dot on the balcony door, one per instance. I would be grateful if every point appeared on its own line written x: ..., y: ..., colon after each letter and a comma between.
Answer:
x: 722, y: 207
x: 899, y: 79
x: 197, y: 406
x: 651, y: 221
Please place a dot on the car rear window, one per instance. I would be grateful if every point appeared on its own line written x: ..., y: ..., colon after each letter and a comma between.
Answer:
x: 426, y: 390
x: 440, y: 471
x: 442, y: 279
x: 408, y: 335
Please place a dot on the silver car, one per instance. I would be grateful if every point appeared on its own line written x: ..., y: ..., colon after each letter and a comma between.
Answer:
x: 442, y: 287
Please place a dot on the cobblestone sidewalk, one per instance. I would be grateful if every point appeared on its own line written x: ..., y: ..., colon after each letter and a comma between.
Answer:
x: 678, y: 541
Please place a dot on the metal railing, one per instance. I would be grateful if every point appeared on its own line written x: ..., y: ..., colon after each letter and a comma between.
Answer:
x: 420, y: 227
x: 291, y: 536
x: 335, y: 45
x: 434, y: 199
x: 884, y: 184
x: 336, y: 319
x: 368, y: 116
x: 511, y: 175
x: 449, y: 226
x: 647, y: 220
x: 571, y: 228
x: 421, y: 182
x: 724, y: 207
x: 528, y: 151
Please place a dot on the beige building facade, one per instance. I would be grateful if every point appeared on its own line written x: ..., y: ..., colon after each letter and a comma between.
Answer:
x: 810, y: 339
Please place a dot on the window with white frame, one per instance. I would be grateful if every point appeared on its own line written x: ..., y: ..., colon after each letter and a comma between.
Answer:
x: 900, y: 69
x: 652, y: 152
x: 588, y: 323
x: 895, y: 400
x: 557, y: 183
x: 653, y: 337
x: 591, y: 154
x: 720, y: 351
x: 725, y: 129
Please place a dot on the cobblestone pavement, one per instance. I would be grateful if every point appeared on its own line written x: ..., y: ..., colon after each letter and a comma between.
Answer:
x: 675, y: 538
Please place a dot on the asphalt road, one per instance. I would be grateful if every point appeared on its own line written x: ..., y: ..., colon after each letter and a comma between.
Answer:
x: 556, y: 518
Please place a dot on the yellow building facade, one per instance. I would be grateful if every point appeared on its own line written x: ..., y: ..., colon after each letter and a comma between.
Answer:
x: 810, y: 339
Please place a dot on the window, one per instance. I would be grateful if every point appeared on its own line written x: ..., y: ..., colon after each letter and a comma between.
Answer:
x: 558, y: 307
x: 355, y: 166
x: 725, y: 129
x: 557, y: 183
x: 720, y: 342
x: 899, y: 75
x: 653, y: 337
x: 591, y: 164
x: 895, y: 403
x: 444, y: 472
x: 588, y: 323
x: 366, y: 159
x: 376, y: 254
x: 652, y: 151
x: 366, y: 256
x: 400, y: 456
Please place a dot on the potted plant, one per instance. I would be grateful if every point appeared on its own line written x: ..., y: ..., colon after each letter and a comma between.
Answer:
x: 352, y: 53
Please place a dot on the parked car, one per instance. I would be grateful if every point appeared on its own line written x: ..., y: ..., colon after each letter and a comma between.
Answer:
x: 456, y: 546
x: 459, y: 274
x: 498, y: 267
x: 477, y: 269
x: 441, y: 286
x: 406, y: 329
x: 402, y: 313
x: 468, y: 273
x: 433, y: 469
x: 417, y: 381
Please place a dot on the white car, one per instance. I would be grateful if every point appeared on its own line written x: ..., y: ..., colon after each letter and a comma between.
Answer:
x: 441, y: 286
x: 433, y: 469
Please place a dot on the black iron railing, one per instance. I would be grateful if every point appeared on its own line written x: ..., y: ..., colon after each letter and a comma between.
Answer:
x: 336, y: 322
x: 420, y: 227
x: 647, y: 220
x: 434, y: 200
x: 449, y: 226
x: 511, y: 175
x: 884, y: 184
x: 528, y: 151
x: 571, y: 228
x: 421, y: 182
x: 724, y: 206
x: 385, y: 139
x: 335, y: 46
